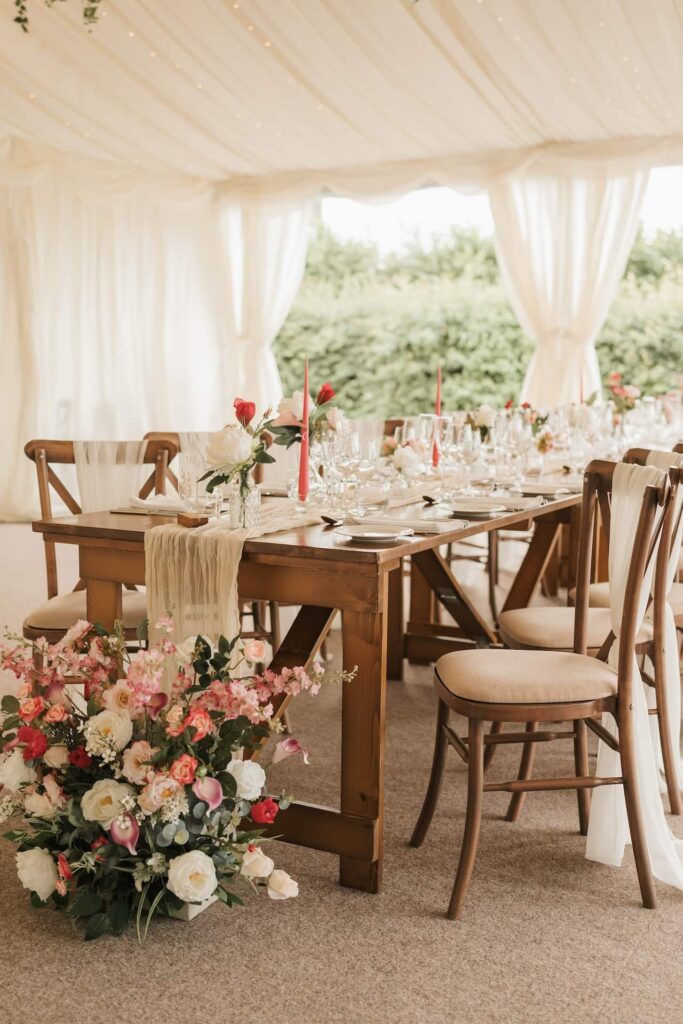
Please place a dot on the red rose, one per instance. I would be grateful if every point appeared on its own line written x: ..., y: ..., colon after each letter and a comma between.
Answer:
x: 265, y: 811
x: 244, y: 411
x: 33, y: 740
x: 326, y: 394
x: 64, y: 868
x: 102, y: 841
x: 526, y: 405
x: 79, y: 757
x: 509, y: 403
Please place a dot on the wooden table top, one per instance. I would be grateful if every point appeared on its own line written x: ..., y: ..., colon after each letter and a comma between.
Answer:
x: 318, y: 542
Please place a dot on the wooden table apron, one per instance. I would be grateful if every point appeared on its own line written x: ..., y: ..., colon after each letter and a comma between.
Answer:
x: 309, y: 567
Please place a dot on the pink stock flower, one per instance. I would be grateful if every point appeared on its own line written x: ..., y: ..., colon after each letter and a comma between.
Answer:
x: 209, y: 790
x: 166, y: 624
x: 125, y: 831
x: 288, y: 747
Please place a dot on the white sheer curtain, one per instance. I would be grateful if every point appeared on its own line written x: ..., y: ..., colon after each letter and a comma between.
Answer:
x: 114, y: 314
x: 266, y: 249
x: 562, y: 244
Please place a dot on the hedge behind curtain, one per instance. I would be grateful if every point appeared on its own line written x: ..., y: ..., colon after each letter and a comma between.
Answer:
x: 115, y: 320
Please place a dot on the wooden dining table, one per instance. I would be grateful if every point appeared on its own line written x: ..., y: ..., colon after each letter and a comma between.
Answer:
x: 314, y: 568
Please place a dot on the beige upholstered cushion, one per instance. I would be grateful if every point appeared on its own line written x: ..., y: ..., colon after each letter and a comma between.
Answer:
x: 553, y: 628
x: 525, y: 677
x: 63, y: 611
x: 598, y: 595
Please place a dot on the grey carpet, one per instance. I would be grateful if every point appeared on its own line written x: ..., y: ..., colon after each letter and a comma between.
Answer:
x: 547, y: 936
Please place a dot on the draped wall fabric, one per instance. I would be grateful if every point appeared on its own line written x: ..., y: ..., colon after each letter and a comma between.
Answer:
x: 266, y: 256
x: 562, y: 244
x: 608, y: 832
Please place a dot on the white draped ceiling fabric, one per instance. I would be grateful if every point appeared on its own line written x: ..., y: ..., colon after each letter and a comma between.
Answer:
x: 157, y: 173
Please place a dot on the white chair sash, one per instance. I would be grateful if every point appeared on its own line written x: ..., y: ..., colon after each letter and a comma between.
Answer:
x: 109, y: 473
x: 608, y: 831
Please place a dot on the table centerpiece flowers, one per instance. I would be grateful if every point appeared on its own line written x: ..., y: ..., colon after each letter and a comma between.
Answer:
x: 139, y: 801
x: 232, y: 455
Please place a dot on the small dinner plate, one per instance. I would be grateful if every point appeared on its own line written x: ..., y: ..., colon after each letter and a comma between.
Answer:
x: 475, y: 508
x: 372, y: 534
x: 548, y: 490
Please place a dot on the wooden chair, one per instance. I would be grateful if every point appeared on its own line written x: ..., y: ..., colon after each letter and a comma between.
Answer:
x: 549, y: 686
x: 52, y: 619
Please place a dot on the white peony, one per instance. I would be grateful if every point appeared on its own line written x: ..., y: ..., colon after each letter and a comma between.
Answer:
x: 39, y: 805
x: 136, y: 766
x: 56, y: 757
x: 485, y: 416
x: 250, y: 778
x: 281, y: 886
x: 109, y: 727
x: 37, y: 871
x: 14, y: 772
x: 406, y: 460
x: 192, y: 877
x: 292, y: 409
x: 255, y: 864
x: 229, y: 448
x: 103, y: 802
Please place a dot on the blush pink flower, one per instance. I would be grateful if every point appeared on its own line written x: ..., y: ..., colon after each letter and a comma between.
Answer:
x: 209, y: 790
x: 56, y: 713
x: 119, y: 697
x: 183, y: 769
x: 199, y: 720
x: 31, y: 708
x: 287, y: 748
x: 160, y: 789
x: 175, y: 723
x: 136, y: 762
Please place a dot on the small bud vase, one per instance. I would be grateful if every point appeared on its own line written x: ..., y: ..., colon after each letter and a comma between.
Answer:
x: 245, y: 509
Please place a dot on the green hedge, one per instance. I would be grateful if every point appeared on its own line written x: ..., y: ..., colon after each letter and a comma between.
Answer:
x: 378, y: 329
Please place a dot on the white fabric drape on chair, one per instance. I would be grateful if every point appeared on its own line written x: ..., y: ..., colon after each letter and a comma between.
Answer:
x: 109, y: 473
x: 608, y: 831
x: 266, y: 259
x: 562, y: 244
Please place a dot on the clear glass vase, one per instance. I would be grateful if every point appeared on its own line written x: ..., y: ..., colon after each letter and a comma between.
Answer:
x: 245, y: 509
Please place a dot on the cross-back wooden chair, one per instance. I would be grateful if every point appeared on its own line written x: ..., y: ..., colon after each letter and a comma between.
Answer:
x: 53, y: 618
x: 522, y: 686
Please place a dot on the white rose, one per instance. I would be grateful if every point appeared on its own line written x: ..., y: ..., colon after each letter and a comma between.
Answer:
x: 37, y: 871
x: 485, y: 416
x: 229, y: 448
x: 15, y: 773
x: 406, y: 460
x: 55, y: 757
x: 109, y: 727
x: 281, y: 886
x: 250, y: 778
x: 103, y: 803
x: 39, y: 805
x: 192, y: 877
x: 255, y: 864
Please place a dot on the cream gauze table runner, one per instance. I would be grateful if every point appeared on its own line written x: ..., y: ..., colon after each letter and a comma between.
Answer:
x: 608, y: 831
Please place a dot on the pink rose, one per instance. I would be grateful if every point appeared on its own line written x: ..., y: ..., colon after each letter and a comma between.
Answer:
x: 199, y: 720
x: 254, y: 650
x: 631, y: 391
x: 288, y: 747
x: 209, y: 790
x: 157, y: 792
x: 183, y: 769
x: 136, y: 762
x: 31, y: 708
x: 57, y: 713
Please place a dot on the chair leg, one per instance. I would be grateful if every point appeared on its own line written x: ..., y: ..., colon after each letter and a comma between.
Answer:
x: 475, y: 793
x: 635, y: 818
x: 434, y: 786
x: 525, y: 768
x: 490, y: 749
x: 581, y: 768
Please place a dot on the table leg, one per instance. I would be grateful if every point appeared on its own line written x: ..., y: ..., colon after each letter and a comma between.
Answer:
x: 103, y: 602
x: 533, y: 565
x: 395, y: 623
x: 364, y: 641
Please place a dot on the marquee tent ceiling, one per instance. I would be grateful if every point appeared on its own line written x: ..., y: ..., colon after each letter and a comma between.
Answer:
x: 224, y: 90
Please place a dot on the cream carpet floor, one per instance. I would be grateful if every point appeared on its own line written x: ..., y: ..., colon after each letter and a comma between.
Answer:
x: 547, y: 936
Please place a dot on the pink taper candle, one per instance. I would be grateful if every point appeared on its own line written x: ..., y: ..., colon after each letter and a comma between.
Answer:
x: 303, y: 455
x: 437, y: 410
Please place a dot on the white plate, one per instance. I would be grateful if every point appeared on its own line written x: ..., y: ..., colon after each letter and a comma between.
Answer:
x: 549, y: 490
x: 372, y: 534
x: 476, y: 506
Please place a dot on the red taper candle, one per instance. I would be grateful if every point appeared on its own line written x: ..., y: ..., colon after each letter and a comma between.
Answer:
x: 303, y: 454
x: 437, y: 410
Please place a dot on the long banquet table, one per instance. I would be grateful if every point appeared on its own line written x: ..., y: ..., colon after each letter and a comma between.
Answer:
x: 312, y: 567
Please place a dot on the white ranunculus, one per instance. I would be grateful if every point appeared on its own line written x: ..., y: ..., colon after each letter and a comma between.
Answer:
x: 37, y: 871
x: 485, y: 416
x: 14, y: 772
x: 103, y: 802
x: 281, y: 886
x: 250, y: 778
x: 406, y: 460
x: 109, y: 727
x: 57, y: 756
x: 192, y: 877
x: 39, y: 805
x: 255, y: 864
x: 229, y: 448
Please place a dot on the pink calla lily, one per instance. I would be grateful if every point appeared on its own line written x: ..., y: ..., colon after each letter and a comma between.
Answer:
x: 209, y: 790
x: 288, y: 747
x: 126, y: 833
x: 156, y: 704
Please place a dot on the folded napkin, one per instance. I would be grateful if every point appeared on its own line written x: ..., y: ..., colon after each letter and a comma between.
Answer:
x: 417, y: 525
x: 166, y: 503
x: 509, y: 503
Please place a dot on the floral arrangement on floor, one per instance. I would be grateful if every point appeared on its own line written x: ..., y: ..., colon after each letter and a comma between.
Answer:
x: 234, y: 451
x: 286, y: 427
x: 136, y: 801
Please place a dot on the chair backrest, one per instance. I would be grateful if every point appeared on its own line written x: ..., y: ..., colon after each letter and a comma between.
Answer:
x: 46, y: 455
x: 598, y: 480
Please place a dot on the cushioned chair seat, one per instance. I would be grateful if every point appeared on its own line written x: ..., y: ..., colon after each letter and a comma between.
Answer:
x: 63, y: 611
x: 553, y: 628
x: 525, y: 677
x: 598, y: 595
